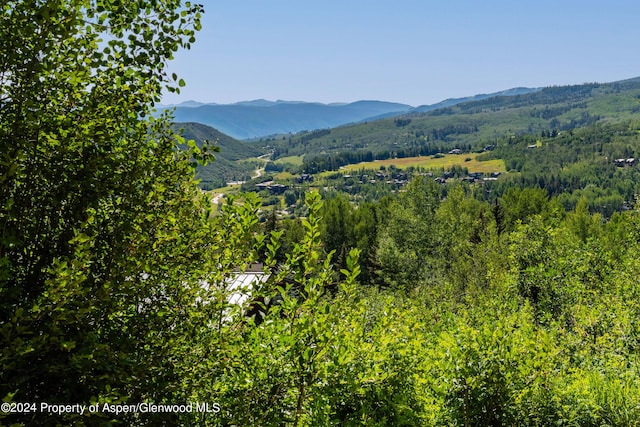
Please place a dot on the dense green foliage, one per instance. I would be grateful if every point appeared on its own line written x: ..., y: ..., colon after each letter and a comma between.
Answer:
x: 532, y: 322
x: 576, y: 164
x: 99, y: 219
x: 479, y: 324
x: 435, y: 305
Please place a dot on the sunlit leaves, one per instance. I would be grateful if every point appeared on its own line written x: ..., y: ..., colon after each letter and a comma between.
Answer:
x: 101, y: 223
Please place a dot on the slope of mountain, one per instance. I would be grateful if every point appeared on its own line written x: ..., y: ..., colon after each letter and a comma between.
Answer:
x: 228, y: 164
x: 455, y: 101
x: 477, y: 122
x: 258, y: 118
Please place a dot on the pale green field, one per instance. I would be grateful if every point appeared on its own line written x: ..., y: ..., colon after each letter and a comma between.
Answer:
x: 294, y: 160
x: 284, y: 175
x: 427, y: 162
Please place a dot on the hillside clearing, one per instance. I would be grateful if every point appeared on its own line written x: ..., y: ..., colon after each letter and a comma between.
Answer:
x: 428, y: 162
x: 294, y: 160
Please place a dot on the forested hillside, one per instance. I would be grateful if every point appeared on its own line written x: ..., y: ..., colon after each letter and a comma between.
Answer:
x: 504, y: 296
x: 230, y: 160
x: 472, y: 124
x: 599, y: 163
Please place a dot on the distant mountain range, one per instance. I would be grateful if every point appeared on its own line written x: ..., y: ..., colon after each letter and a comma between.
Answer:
x: 253, y: 119
x: 261, y: 118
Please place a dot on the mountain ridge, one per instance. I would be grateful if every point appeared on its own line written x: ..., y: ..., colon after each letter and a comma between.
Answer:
x: 454, y: 101
x: 471, y: 123
x: 475, y: 122
x: 261, y: 118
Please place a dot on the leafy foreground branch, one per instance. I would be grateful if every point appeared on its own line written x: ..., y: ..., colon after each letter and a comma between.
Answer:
x: 315, y: 358
x: 495, y: 356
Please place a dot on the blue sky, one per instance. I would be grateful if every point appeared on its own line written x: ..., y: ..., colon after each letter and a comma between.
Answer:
x: 410, y: 51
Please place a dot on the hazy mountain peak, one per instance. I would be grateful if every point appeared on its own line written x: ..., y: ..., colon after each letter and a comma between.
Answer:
x: 260, y: 117
x: 255, y: 103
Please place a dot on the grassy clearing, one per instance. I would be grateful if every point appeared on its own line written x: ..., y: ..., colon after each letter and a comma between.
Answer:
x: 284, y: 175
x: 222, y: 190
x: 293, y: 160
x: 428, y: 162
